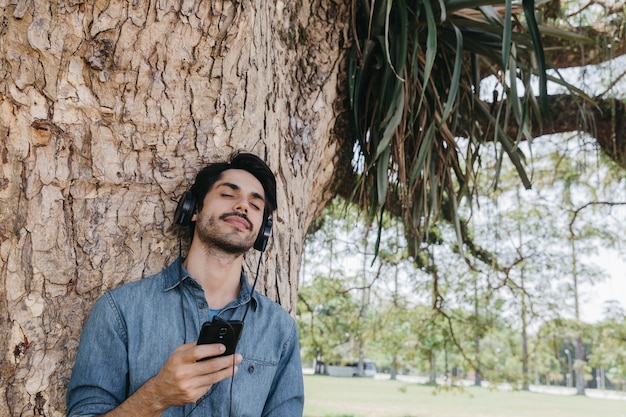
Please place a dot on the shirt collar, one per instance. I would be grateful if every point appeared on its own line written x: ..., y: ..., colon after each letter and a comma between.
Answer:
x: 176, y: 273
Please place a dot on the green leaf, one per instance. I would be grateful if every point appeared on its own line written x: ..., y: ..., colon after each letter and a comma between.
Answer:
x: 393, y: 123
x: 424, y: 151
x: 506, y: 34
x: 431, y: 41
x: 533, y: 30
x: 456, y: 75
x: 513, y: 153
x: 382, y: 176
x: 399, y: 39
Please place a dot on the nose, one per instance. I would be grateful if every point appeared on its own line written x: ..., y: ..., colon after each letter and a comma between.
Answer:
x: 241, y: 205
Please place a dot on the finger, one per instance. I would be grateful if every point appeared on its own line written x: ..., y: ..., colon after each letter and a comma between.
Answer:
x: 185, y: 351
x: 209, y: 372
x: 202, y: 352
x: 219, y: 363
x: 209, y: 378
x: 195, y: 387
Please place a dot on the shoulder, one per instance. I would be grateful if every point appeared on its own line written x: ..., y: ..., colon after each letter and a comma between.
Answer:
x: 152, y: 287
x: 164, y: 280
x: 153, y: 283
x: 272, y: 311
x: 267, y: 303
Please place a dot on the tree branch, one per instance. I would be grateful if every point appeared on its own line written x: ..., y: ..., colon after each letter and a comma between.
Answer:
x: 605, y: 121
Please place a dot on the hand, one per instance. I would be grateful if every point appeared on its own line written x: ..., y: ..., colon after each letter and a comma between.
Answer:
x: 183, y: 379
x: 180, y: 381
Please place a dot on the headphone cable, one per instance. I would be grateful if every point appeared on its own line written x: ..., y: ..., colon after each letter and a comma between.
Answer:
x: 230, y: 399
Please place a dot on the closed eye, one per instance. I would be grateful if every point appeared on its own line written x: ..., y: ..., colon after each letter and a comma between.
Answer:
x: 230, y: 190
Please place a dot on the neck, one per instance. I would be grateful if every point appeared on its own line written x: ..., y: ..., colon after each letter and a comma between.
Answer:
x: 217, y: 272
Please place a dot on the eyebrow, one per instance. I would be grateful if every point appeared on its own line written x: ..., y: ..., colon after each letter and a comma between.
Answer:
x: 235, y: 187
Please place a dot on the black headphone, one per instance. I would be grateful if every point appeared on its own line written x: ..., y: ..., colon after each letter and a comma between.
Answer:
x: 187, y: 207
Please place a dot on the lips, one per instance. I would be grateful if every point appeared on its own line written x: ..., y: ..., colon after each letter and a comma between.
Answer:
x: 238, y: 220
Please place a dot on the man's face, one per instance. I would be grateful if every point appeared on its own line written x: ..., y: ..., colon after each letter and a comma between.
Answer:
x: 232, y: 212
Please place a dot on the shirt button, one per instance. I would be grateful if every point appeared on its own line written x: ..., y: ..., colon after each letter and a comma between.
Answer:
x: 250, y: 369
x: 201, y: 305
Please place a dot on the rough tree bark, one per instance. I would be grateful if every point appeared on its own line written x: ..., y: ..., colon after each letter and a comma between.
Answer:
x: 107, y: 110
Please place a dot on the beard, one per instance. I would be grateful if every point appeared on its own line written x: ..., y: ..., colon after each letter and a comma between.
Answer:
x: 211, y: 236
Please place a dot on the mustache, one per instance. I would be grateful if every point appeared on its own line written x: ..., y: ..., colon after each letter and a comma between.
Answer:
x: 237, y: 214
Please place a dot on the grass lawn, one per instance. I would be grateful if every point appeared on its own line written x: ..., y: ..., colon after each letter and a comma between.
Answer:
x: 365, y: 397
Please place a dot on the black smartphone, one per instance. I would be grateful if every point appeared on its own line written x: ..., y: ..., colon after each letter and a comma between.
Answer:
x: 226, y: 332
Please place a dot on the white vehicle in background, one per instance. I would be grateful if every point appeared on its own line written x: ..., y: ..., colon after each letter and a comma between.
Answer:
x: 352, y: 369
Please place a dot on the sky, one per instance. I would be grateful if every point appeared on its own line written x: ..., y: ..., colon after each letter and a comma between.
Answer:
x: 613, y: 288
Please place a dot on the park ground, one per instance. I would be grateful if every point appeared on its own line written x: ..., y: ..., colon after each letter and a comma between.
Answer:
x: 380, y: 397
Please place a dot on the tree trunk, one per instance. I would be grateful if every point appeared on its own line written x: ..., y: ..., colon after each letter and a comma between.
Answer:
x: 580, y: 364
x: 432, y: 367
x: 478, y: 378
x: 107, y: 111
x: 393, y: 372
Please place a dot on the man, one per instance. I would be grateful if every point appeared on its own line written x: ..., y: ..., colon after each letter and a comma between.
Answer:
x: 138, y: 354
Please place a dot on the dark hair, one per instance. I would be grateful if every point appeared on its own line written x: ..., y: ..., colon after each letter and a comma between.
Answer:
x: 209, y: 175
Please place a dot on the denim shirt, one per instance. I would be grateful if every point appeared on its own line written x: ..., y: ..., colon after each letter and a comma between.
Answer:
x: 133, y: 329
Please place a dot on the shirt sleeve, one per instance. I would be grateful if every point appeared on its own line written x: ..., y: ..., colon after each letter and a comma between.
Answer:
x: 286, y: 398
x: 99, y: 381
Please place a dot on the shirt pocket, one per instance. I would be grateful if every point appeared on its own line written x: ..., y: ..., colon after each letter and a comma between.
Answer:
x: 255, y: 377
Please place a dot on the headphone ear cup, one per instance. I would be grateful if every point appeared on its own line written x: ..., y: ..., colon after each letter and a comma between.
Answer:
x: 264, y: 235
x: 185, y: 209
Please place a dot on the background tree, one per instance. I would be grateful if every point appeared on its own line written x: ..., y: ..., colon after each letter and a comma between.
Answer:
x: 608, y: 355
x: 391, y: 345
x: 339, y: 249
x: 328, y: 319
x: 528, y: 283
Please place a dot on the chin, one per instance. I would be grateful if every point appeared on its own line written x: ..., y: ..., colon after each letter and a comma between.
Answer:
x: 235, y: 248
